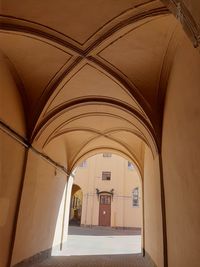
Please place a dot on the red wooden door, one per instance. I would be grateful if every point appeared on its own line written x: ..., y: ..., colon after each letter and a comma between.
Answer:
x: 104, y: 210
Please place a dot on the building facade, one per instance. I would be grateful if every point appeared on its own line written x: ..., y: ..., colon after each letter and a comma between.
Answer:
x: 111, y: 193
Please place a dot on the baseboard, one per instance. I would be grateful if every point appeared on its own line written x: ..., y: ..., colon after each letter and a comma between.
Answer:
x: 37, y: 258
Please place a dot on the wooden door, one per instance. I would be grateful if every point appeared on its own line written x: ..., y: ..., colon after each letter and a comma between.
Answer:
x: 104, y: 210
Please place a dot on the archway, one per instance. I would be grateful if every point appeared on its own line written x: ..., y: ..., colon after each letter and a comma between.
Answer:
x: 76, y: 205
x: 123, y: 189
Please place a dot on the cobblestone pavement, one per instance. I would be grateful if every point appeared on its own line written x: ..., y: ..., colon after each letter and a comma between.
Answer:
x: 133, y: 260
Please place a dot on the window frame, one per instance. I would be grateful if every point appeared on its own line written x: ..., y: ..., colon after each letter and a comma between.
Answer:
x: 107, y: 155
x: 106, y: 175
x: 135, y: 197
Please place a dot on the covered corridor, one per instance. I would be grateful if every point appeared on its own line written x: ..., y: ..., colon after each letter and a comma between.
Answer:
x: 83, y: 77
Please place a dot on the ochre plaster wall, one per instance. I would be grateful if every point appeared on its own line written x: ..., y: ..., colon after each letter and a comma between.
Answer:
x: 41, y: 199
x: 11, y: 172
x: 181, y: 157
x: 57, y: 151
x: 11, y: 107
x: 12, y: 156
x: 152, y: 208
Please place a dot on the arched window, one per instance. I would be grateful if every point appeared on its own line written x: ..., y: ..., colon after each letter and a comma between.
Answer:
x: 135, y: 197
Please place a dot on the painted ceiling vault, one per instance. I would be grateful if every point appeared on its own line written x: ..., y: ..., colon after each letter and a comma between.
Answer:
x: 92, y: 74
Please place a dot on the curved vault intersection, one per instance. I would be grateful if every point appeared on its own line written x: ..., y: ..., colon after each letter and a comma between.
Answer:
x: 98, y: 83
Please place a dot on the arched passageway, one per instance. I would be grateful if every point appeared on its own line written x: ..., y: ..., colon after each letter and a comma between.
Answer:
x: 75, y: 205
x: 122, y: 77
x: 106, y: 204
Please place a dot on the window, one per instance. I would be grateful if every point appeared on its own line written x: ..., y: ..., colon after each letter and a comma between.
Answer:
x: 136, y: 197
x: 83, y: 164
x: 106, y: 175
x: 107, y: 155
x: 105, y: 200
x: 130, y: 165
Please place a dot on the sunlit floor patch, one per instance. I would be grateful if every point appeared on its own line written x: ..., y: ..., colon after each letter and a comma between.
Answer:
x: 100, y: 245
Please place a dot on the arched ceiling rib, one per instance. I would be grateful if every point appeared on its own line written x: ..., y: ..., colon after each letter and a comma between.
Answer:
x: 97, y: 82
x: 92, y: 130
x: 103, y: 143
x: 99, y: 106
x: 94, y: 72
x: 32, y: 65
x: 93, y: 125
x: 93, y: 16
x: 29, y: 24
x: 121, y: 136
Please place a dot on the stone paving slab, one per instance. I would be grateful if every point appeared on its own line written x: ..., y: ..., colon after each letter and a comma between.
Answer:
x: 81, y: 238
x: 133, y: 260
x: 83, y: 241
x: 100, y: 245
x: 102, y: 231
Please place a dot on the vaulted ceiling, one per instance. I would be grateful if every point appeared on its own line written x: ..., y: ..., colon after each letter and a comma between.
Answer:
x: 93, y: 73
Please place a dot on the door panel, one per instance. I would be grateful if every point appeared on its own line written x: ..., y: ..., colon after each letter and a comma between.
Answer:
x: 104, y: 210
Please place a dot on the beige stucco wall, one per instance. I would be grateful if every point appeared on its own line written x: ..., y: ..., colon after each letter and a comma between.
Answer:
x: 181, y: 157
x: 12, y: 155
x: 123, y: 181
x: 11, y: 107
x: 57, y: 151
x: 152, y: 208
x: 11, y: 171
x: 41, y: 199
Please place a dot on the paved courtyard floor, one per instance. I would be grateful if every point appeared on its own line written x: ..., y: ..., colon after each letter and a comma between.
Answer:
x: 98, y: 247
x: 129, y: 260
x: 100, y: 241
